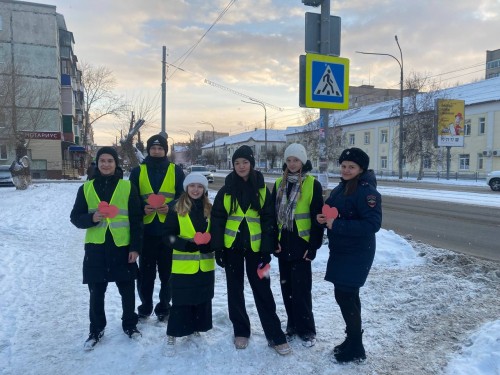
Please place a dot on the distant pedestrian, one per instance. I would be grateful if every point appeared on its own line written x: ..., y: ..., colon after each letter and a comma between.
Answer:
x: 109, y: 208
x: 91, y: 171
x: 193, y: 265
x: 298, y: 197
x: 243, y: 235
x: 351, y: 239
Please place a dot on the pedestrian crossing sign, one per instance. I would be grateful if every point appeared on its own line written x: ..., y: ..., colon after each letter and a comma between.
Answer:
x: 326, y: 82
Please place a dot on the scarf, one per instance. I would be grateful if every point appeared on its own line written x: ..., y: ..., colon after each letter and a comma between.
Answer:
x: 286, y: 203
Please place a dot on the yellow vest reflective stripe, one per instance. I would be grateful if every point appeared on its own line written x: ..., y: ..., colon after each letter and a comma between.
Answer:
x: 252, y: 218
x: 119, y: 226
x: 302, y: 214
x: 189, y: 263
x: 167, y: 189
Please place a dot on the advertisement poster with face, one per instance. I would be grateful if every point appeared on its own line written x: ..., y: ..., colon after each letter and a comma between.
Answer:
x: 450, y: 122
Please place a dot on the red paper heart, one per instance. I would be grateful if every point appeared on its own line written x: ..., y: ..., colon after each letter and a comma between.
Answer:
x: 156, y: 200
x: 264, y: 271
x: 330, y: 212
x: 202, y: 238
x: 107, y: 210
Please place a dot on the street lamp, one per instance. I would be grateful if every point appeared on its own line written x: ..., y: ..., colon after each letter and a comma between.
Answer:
x: 213, y: 134
x: 400, y: 158
x: 258, y: 102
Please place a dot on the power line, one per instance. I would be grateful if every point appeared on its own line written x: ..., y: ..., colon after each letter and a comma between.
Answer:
x: 188, y: 53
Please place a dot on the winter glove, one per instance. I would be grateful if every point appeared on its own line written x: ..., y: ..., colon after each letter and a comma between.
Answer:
x: 265, y: 258
x: 191, y: 247
x: 311, y: 254
x: 220, y: 258
x: 205, y: 248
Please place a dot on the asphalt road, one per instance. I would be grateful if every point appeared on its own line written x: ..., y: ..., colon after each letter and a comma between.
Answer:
x: 462, y: 228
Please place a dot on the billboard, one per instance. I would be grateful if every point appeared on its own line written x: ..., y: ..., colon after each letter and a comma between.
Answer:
x: 450, y: 116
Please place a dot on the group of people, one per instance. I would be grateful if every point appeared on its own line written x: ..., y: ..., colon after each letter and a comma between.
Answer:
x: 166, y: 222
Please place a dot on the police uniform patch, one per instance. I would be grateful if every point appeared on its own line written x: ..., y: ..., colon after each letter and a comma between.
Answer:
x: 371, y: 200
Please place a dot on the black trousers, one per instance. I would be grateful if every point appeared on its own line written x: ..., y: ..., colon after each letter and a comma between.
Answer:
x: 350, y: 307
x: 155, y: 255
x: 296, y: 285
x: 237, y: 261
x: 97, y: 314
x: 184, y: 320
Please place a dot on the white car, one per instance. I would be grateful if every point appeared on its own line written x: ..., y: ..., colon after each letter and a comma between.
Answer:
x: 201, y: 169
x: 493, y: 180
x: 5, y: 176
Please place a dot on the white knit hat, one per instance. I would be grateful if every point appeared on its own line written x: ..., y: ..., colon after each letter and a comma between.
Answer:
x: 296, y: 150
x: 195, y: 178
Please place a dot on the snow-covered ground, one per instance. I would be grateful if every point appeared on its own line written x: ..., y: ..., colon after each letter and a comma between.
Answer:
x: 425, y: 310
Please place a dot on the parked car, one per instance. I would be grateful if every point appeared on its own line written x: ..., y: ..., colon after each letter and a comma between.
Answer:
x: 201, y: 169
x: 211, y: 168
x: 493, y: 180
x: 5, y: 176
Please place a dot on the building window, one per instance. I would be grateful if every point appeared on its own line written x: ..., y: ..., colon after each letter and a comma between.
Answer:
x: 263, y: 149
x: 3, y: 122
x: 482, y: 125
x: 383, y: 162
x: 464, y: 162
x: 480, y: 161
x: 1, y: 27
x: 352, y: 139
x: 383, y: 136
x: 367, y: 138
x: 3, y: 152
x: 338, y: 141
x: 467, y: 127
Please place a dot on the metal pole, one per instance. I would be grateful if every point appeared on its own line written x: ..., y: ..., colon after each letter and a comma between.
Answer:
x: 258, y: 102
x: 324, y: 49
x: 401, y: 112
x: 401, y: 138
x: 163, y: 92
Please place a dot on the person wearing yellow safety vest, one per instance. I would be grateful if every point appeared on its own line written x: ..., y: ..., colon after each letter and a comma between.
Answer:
x: 298, y: 198
x: 243, y: 235
x: 155, y: 177
x: 193, y: 264
x: 109, y: 208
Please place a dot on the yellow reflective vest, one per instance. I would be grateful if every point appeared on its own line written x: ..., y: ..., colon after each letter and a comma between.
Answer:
x: 185, y: 263
x: 234, y: 220
x: 119, y: 226
x: 302, y: 214
x: 167, y: 189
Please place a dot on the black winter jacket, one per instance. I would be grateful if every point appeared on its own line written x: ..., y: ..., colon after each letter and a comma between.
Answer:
x: 352, y: 238
x: 107, y: 262
x: 188, y: 289
x: 244, y: 193
x: 293, y: 247
x: 157, y: 169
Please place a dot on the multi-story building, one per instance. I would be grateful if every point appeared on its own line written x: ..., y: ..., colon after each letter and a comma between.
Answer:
x: 492, y: 64
x: 40, y: 102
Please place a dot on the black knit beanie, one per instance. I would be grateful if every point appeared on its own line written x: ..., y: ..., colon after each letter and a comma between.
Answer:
x: 244, y: 152
x: 157, y: 140
x: 355, y: 155
x: 110, y: 151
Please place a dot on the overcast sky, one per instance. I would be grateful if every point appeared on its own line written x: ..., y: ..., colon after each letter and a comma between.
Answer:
x: 254, y: 50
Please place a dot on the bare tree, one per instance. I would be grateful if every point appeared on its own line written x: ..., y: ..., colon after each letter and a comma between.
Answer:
x: 419, y: 134
x: 27, y: 104
x: 99, y: 99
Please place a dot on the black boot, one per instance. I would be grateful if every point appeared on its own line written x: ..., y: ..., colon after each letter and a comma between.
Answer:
x: 342, y: 346
x: 353, y: 349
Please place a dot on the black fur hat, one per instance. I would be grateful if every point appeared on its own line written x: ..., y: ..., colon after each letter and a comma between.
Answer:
x: 357, y: 156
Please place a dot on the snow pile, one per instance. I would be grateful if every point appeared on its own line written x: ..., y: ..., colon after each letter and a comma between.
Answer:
x: 425, y: 310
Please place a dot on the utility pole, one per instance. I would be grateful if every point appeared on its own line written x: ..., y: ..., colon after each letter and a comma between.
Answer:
x: 324, y: 49
x: 163, y: 92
